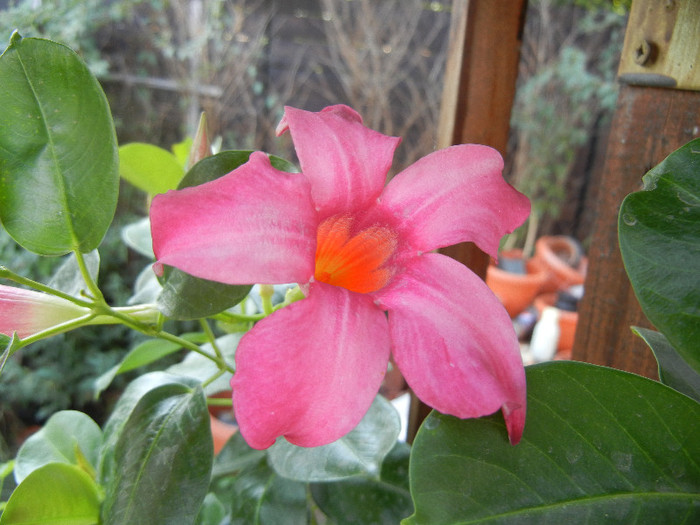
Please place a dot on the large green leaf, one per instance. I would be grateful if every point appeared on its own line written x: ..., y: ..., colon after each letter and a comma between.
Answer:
x: 600, y: 446
x: 359, y: 452
x: 59, y: 175
x: 162, y: 458
x: 660, y: 244
x: 55, y: 494
x: 367, y: 500
x: 67, y: 437
x: 149, y: 168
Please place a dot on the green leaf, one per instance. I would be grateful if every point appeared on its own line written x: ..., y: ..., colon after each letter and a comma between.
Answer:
x: 186, y: 297
x: 149, y: 168
x: 57, y: 494
x: 59, y: 177
x: 114, y: 427
x: 673, y: 370
x: 366, y: 500
x: 181, y: 150
x: 212, y: 512
x: 600, y: 446
x: 67, y: 437
x: 201, y: 368
x: 137, y: 236
x: 360, y: 452
x: 261, y: 497
x: 68, y: 278
x: 660, y: 245
x: 162, y: 457
x: 236, y: 456
x: 142, y: 354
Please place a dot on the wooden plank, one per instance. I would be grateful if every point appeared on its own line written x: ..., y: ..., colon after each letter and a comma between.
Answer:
x: 478, y: 92
x: 649, y: 124
x: 480, y: 78
x: 662, y: 44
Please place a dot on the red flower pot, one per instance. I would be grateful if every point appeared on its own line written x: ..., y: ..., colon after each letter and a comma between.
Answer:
x: 516, y: 290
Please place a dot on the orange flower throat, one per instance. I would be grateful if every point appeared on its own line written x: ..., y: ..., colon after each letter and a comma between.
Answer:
x: 356, y: 260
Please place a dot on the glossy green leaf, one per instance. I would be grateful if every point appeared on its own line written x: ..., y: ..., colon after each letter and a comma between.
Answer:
x: 67, y: 437
x: 600, y: 446
x: 121, y: 413
x: 187, y: 297
x: 149, y: 168
x: 673, y: 370
x: 162, y: 458
x: 259, y: 496
x: 660, y: 245
x: 55, y: 494
x: 59, y: 177
x: 369, y: 501
x: 360, y: 452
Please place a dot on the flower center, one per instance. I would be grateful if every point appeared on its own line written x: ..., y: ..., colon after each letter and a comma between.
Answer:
x: 353, y: 260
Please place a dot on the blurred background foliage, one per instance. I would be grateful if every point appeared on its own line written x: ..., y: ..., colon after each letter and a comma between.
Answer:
x: 163, y: 62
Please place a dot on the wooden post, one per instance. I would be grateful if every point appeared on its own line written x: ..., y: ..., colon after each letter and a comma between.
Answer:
x: 658, y: 111
x: 480, y: 76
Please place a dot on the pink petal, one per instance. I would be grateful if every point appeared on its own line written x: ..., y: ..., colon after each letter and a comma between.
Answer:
x: 346, y: 162
x: 253, y: 225
x: 454, y: 195
x: 310, y: 371
x: 27, y: 312
x: 454, y: 342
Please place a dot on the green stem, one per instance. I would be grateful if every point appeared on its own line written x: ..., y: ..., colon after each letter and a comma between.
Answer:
x: 233, y: 316
x: 213, y: 378
x: 212, y: 338
x: 89, y: 281
x: 219, y: 401
x: 55, y: 330
x: 266, y: 293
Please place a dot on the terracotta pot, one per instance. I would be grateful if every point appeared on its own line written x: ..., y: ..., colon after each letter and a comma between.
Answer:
x: 567, y: 322
x: 221, y: 430
x: 516, y: 290
x: 563, y: 260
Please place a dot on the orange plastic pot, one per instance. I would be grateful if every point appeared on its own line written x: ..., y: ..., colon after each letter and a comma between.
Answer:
x: 516, y: 291
x: 561, y: 258
x: 567, y: 322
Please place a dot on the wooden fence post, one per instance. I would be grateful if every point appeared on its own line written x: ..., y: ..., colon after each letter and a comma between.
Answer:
x: 480, y: 76
x: 658, y: 111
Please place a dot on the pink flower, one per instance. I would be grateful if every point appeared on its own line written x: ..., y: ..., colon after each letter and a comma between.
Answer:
x: 362, y: 254
x: 27, y: 312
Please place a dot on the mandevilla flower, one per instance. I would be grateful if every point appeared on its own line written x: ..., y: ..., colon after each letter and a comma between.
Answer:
x: 362, y: 254
x: 27, y: 312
